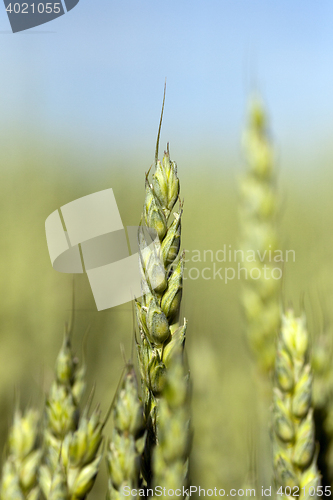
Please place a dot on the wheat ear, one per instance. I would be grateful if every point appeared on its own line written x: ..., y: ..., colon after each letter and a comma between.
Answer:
x: 61, y: 410
x: 293, y: 425
x: 19, y: 479
x: 162, y: 270
x: 260, y: 296
x: 125, y: 449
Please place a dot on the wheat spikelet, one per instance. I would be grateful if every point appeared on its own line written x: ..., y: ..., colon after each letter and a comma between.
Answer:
x: 19, y: 479
x: 125, y: 448
x: 260, y: 297
x: 58, y: 488
x: 293, y: 425
x: 81, y: 455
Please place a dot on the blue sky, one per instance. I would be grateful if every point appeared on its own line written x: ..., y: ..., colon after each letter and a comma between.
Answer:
x: 95, y: 76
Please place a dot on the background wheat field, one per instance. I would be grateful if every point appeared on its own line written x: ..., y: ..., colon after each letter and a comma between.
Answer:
x: 36, y: 300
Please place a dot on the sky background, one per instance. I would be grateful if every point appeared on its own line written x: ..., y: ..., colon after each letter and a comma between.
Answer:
x: 92, y: 80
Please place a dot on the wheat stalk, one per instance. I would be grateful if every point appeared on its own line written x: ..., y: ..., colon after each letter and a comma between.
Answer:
x: 260, y: 296
x: 293, y: 425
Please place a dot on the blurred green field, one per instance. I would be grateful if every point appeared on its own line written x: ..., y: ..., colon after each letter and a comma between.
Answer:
x: 36, y: 300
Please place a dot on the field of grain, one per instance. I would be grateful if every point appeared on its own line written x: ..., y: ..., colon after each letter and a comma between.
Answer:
x: 36, y: 300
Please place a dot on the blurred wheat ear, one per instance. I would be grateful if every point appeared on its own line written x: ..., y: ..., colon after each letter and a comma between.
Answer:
x: 19, y: 478
x: 72, y: 444
x: 260, y: 294
x: 294, y: 447
x: 61, y: 411
x: 258, y: 211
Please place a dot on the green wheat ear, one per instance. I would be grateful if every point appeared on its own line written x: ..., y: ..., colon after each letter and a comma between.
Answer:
x: 128, y: 439
x: 19, y: 479
x: 293, y: 425
x: 260, y: 297
x: 162, y: 269
x: 61, y: 410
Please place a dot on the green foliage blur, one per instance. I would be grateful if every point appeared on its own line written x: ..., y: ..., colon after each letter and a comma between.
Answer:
x: 36, y: 300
